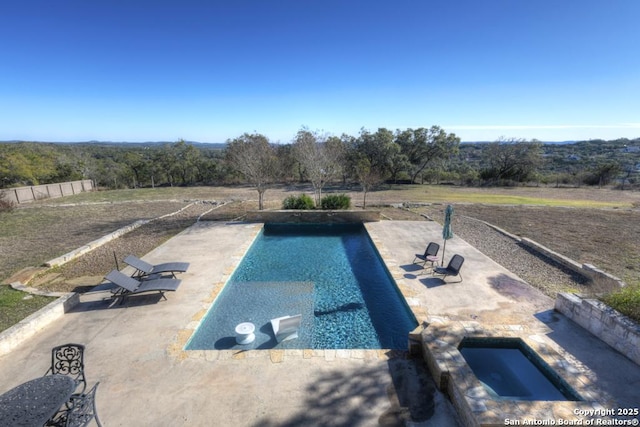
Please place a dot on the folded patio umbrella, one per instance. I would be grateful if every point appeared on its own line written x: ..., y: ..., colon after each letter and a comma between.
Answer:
x: 447, y: 232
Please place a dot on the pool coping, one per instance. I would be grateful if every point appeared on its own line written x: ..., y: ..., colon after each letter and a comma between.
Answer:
x: 440, y: 341
x: 276, y: 355
x: 151, y: 325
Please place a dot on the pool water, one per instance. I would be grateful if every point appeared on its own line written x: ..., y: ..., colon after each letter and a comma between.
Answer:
x: 331, y: 274
x: 510, y: 370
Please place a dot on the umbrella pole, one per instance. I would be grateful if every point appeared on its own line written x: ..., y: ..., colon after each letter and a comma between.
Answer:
x: 444, y: 248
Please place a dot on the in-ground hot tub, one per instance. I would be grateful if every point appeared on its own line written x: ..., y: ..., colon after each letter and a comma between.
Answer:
x: 477, y: 395
x: 510, y: 370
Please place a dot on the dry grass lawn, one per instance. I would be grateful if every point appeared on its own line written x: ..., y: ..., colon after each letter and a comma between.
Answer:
x: 598, y: 226
x: 606, y: 237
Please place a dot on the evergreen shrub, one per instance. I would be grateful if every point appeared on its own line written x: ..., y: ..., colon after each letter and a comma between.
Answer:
x: 335, y: 202
x: 301, y: 202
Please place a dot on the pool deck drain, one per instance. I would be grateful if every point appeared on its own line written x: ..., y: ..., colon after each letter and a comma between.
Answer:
x: 136, y: 350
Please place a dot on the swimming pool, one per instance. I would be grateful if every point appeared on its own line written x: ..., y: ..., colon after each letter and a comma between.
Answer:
x: 331, y: 274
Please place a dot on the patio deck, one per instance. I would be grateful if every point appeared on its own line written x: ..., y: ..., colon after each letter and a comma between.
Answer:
x: 135, y: 349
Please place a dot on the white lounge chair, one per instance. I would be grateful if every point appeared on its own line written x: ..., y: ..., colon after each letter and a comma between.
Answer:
x: 286, y: 327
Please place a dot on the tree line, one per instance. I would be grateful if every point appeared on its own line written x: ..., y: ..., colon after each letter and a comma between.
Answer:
x: 423, y: 155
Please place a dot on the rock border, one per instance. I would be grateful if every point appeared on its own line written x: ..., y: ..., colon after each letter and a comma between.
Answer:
x: 31, y: 325
x: 591, y: 272
x: 609, y: 325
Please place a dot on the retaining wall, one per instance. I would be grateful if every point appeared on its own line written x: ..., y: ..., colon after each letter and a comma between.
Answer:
x: 28, y: 327
x: 313, y: 216
x: 63, y: 259
x: 608, y: 324
x: 600, y: 278
x: 38, y: 192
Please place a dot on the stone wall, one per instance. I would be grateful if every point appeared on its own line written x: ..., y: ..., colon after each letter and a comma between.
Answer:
x: 313, y: 216
x: 38, y: 192
x: 608, y: 324
x: 63, y: 259
x: 26, y: 328
x: 601, y: 279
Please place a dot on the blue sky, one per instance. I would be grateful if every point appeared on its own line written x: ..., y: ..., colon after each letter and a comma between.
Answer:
x: 159, y: 70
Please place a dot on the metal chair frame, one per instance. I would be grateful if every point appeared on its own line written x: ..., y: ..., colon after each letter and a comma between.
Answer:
x: 431, y: 251
x: 452, y: 269
x: 68, y: 359
x: 82, y: 409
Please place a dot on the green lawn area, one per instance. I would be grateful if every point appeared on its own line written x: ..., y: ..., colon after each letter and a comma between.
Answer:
x: 626, y: 301
x: 531, y: 196
x: 16, y: 305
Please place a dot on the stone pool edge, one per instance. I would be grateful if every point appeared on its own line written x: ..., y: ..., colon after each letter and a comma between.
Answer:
x: 177, y: 347
x: 454, y: 377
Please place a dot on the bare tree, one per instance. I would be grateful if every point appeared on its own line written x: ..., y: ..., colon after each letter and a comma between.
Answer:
x: 255, y: 158
x: 319, y: 158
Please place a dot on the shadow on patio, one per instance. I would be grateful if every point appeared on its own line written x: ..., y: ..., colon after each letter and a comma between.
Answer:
x: 338, y: 399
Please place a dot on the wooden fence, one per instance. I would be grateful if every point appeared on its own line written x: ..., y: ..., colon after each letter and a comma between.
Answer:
x: 38, y: 192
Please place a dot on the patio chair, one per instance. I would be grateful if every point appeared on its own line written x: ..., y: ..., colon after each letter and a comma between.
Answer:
x: 82, y: 409
x: 286, y: 328
x: 130, y: 286
x: 452, y: 269
x: 430, y: 255
x: 68, y: 359
x: 144, y: 269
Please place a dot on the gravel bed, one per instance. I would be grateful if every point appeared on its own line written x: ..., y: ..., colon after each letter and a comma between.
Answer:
x: 87, y: 270
x: 536, y: 269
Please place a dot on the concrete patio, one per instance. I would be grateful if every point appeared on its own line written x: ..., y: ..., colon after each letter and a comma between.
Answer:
x: 136, y: 350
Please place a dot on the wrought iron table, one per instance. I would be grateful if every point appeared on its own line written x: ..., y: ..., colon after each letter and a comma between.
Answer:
x: 34, y: 402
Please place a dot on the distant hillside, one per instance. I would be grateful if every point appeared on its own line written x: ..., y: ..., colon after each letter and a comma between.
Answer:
x: 156, y: 163
x: 543, y: 142
x: 215, y: 145
x: 569, y: 156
